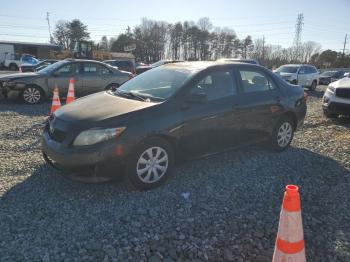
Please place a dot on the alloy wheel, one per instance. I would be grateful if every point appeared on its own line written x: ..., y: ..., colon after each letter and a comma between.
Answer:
x: 152, y: 165
x: 284, y: 134
x: 31, y: 95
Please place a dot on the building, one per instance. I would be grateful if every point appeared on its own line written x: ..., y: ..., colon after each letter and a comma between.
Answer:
x: 39, y: 50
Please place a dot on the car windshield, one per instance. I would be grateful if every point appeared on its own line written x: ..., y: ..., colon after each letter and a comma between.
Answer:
x: 328, y: 73
x: 158, y: 84
x: 29, y: 60
x: 52, y: 67
x: 287, y: 69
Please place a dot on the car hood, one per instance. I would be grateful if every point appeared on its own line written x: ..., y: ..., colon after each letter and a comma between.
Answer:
x: 343, y: 83
x: 19, y: 76
x: 99, y: 107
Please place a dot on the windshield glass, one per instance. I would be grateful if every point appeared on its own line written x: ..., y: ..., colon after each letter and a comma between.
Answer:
x: 158, y: 84
x: 52, y: 67
x: 287, y: 69
x: 328, y: 73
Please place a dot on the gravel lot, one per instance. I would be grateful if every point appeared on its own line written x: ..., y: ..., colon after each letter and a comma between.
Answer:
x: 231, y: 213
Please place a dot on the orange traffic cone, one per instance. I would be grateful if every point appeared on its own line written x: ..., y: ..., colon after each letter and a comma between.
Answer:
x: 56, y: 103
x: 70, y: 95
x: 290, y: 237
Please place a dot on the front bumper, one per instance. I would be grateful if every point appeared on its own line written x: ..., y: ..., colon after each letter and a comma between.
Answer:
x: 94, y: 163
x: 337, y: 108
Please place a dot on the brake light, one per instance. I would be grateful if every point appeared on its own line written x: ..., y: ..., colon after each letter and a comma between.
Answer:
x: 306, y: 96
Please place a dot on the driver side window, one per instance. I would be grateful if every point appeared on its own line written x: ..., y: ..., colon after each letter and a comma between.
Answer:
x: 216, y: 85
x: 64, y: 70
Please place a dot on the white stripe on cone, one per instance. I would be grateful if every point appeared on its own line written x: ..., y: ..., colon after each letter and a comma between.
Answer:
x: 290, y: 227
x: 279, y: 256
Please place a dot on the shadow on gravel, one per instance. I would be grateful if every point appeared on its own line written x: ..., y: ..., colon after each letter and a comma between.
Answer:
x: 19, y: 107
x: 318, y: 93
x: 232, y: 212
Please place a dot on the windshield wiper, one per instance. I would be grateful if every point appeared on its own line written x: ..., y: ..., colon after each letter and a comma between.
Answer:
x: 133, y: 95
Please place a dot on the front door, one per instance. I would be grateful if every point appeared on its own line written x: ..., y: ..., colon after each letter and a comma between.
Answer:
x: 60, y: 79
x: 212, y: 125
x: 302, y: 77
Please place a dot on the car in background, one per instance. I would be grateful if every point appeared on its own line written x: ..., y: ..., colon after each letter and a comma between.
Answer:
x: 299, y: 74
x: 14, y: 62
x: 90, y: 77
x: 238, y: 60
x: 124, y: 65
x: 188, y: 109
x: 336, y: 99
x: 38, y: 66
x: 328, y: 77
x: 142, y: 69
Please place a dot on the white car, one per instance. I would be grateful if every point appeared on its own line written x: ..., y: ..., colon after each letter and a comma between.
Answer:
x: 336, y: 99
x: 299, y: 74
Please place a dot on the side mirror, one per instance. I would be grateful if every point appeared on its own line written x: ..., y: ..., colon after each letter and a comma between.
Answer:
x: 197, y: 98
x: 301, y: 72
x: 55, y: 74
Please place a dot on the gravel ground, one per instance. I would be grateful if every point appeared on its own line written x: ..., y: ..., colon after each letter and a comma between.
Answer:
x: 231, y: 213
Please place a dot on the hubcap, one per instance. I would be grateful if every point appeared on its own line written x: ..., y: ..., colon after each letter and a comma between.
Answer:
x: 284, y: 134
x: 31, y: 95
x: 152, y: 165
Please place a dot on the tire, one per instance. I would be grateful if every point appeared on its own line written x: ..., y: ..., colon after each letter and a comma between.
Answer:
x: 112, y: 87
x: 329, y: 115
x: 32, y: 95
x: 282, y: 135
x: 13, y: 67
x: 313, y: 86
x: 143, y: 173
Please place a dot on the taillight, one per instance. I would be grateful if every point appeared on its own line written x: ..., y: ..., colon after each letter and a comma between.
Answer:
x: 306, y: 96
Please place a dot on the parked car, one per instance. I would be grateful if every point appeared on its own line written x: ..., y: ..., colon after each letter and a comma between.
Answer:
x: 37, y: 67
x: 124, y: 65
x: 238, y: 60
x: 336, y: 99
x: 13, y: 62
x: 304, y: 75
x: 177, y: 110
x: 90, y: 77
x: 328, y: 77
x: 142, y: 69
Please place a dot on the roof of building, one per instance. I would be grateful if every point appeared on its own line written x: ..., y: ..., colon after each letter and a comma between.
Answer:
x: 27, y: 43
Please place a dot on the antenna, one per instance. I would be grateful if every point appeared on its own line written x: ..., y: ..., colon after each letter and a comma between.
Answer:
x: 297, y: 37
x: 346, y: 38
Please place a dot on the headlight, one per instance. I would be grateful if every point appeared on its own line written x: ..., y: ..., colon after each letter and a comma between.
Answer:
x: 96, y: 135
x: 331, y: 88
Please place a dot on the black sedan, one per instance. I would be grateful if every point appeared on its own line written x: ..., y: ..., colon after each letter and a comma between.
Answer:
x: 176, y: 111
x: 328, y: 77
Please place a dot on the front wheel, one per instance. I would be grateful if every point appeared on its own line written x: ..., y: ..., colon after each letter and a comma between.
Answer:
x: 282, y: 135
x: 150, y: 165
x: 329, y: 115
x: 313, y: 86
x: 32, y: 95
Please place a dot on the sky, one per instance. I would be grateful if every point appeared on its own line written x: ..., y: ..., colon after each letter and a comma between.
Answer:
x: 325, y: 22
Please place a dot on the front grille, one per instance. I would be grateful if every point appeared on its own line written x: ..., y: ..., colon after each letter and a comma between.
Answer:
x: 343, y: 92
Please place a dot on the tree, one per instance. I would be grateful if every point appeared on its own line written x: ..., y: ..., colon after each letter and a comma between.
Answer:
x: 104, y: 43
x: 68, y: 32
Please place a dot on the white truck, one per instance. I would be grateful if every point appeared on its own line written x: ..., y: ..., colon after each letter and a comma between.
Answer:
x: 10, y: 60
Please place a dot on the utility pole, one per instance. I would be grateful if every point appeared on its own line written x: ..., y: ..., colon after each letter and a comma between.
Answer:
x: 263, y: 49
x: 48, y: 22
x: 346, y: 38
x: 298, y: 31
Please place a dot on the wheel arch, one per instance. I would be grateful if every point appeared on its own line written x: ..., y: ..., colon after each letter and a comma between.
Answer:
x: 292, y: 116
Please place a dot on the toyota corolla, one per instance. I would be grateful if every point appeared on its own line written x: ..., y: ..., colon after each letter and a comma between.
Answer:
x: 176, y: 111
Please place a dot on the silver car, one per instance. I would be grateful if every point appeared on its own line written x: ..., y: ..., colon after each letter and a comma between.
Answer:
x: 298, y: 74
x: 90, y: 77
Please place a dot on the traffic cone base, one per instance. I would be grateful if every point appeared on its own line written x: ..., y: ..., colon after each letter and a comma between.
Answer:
x: 290, y: 244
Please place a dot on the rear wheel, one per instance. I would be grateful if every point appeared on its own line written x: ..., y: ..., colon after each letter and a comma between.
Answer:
x: 283, y: 134
x: 329, y: 115
x: 13, y: 67
x: 32, y: 95
x: 313, y: 86
x: 150, y: 165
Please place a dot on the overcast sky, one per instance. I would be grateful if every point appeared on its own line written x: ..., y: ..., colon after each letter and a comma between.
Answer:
x: 325, y: 22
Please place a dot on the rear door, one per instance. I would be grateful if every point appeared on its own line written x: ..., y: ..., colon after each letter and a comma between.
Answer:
x: 60, y: 78
x: 211, y: 126
x: 260, y: 103
x: 94, y: 78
